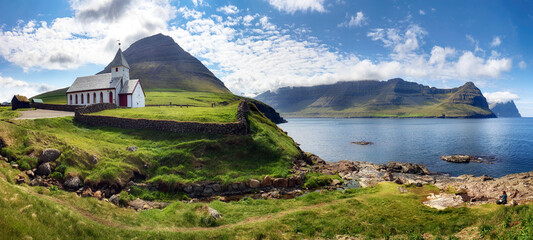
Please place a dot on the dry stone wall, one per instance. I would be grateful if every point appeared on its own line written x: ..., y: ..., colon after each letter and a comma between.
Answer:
x: 238, y: 128
x: 57, y: 107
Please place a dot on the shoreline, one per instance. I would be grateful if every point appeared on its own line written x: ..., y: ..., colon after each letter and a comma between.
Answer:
x: 471, y: 189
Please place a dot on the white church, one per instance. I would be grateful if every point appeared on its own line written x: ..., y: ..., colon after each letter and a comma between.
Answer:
x: 115, y: 87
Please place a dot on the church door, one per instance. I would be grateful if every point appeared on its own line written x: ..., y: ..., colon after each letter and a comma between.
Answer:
x: 123, y: 100
x: 111, y: 97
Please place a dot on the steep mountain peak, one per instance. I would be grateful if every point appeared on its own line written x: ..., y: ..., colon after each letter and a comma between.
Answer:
x: 159, y: 62
x: 471, y: 95
x: 505, y: 109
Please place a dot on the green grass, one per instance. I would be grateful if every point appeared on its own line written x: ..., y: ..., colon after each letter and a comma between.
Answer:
x: 180, y: 97
x: 58, y: 96
x: 6, y: 113
x: 172, y: 158
x: 219, y: 114
x: 380, y: 212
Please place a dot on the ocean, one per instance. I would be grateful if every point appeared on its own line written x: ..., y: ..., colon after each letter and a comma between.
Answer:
x: 509, y: 141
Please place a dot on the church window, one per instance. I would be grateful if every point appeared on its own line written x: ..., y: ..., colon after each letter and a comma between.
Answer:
x: 101, y: 97
x: 76, y: 98
x: 116, y: 69
x: 82, y: 98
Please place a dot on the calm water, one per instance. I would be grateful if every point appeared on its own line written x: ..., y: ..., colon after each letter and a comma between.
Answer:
x: 422, y: 141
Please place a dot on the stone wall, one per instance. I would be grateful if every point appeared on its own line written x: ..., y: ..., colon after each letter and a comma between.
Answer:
x: 238, y: 128
x: 57, y: 107
x: 95, y: 108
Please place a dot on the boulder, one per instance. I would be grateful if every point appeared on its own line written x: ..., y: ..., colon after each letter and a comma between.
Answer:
x: 72, y: 182
x: 213, y: 213
x: 457, y: 158
x: 87, y: 192
x: 335, y: 182
x: 44, y: 169
x: 20, y: 179
x: 254, y: 183
x: 280, y: 182
x: 132, y: 148
x: 94, y: 160
x: 30, y: 173
x: 49, y: 155
x: 35, y: 182
x: 14, y: 165
x: 188, y: 188
x: 98, y: 194
x: 267, y: 182
x: 402, y: 167
x: 443, y: 201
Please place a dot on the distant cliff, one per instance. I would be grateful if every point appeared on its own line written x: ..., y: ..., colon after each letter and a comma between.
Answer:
x: 507, y: 109
x: 392, y: 98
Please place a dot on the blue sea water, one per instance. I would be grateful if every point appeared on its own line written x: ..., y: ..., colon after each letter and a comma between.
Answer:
x: 423, y: 141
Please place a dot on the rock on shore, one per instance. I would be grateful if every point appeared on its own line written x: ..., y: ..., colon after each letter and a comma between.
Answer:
x: 472, y: 189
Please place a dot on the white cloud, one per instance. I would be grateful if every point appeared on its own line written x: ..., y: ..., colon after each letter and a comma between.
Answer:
x: 229, y: 9
x: 250, y: 60
x: 500, y: 97
x: 421, y: 12
x: 199, y: 3
x: 475, y: 42
x: 355, y: 21
x: 10, y: 87
x: 190, y: 13
x: 496, y: 41
x: 259, y: 58
x: 522, y: 65
x: 469, y: 66
x: 403, y: 43
x: 87, y: 37
x: 292, y: 6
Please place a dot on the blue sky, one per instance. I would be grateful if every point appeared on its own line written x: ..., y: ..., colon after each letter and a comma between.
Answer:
x: 255, y: 46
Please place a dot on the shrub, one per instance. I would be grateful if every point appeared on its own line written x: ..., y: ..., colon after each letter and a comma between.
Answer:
x: 57, y: 175
x: 53, y: 188
x: 315, y: 180
x: 61, y: 168
x: 27, y: 163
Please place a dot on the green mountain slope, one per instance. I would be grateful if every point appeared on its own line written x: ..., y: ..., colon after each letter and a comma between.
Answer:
x: 392, y: 98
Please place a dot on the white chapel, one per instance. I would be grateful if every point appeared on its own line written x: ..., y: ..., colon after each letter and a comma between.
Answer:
x: 115, y: 87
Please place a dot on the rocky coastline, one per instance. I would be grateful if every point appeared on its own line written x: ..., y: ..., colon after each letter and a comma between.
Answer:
x: 455, y: 191
x: 471, y: 189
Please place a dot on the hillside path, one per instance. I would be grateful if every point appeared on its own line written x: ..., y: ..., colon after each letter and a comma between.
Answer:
x: 42, y: 113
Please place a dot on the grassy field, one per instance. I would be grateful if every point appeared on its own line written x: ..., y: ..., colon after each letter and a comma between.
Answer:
x: 218, y: 114
x: 380, y: 212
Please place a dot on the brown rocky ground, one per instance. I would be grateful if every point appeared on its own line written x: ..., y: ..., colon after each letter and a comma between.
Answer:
x: 472, y: 189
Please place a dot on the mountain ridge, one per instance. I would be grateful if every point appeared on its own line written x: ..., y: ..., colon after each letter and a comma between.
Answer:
x: 371, y: 98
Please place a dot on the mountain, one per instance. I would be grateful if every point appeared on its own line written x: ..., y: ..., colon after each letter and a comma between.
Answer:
x: 507, y: 109
x: 392, y: 98
x: 159, y: 62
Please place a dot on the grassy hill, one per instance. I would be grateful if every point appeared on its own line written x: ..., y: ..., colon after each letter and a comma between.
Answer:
x: 173, y: 158
x: 393, y: 98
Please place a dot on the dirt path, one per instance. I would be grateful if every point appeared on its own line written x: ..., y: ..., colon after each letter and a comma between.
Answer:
x: 42, y: 113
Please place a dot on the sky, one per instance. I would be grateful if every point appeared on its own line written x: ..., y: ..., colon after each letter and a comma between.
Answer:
x: 258, y: 45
